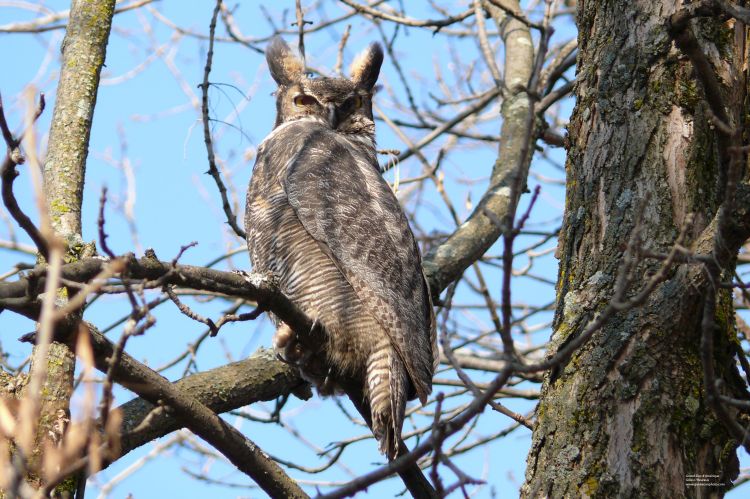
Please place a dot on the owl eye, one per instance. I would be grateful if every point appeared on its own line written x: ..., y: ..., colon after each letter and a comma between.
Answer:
x: 357, y: 102
x: 304, y: 100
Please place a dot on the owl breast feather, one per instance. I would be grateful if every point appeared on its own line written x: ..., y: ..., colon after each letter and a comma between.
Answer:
x: 331, y: 184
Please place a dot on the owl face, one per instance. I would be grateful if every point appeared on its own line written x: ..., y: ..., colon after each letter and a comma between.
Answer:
x: 343, y: 104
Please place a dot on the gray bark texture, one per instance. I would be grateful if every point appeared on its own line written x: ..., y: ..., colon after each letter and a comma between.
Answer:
x: 627, y: 416
x: 199, y: 418
x: 84, y: 49
x: 259, y: 377
x: 83, y: 54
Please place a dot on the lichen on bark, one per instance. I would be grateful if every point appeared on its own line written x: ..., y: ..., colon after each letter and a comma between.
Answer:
x: 84, y: 51
x: 83, y: 55
x: 627, y: 415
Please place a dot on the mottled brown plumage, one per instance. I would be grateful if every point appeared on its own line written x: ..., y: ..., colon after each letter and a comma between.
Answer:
x: 321, y: 218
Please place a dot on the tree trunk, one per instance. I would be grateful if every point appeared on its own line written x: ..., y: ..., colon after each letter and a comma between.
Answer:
x: 83, y: 54
x: 626, y: 416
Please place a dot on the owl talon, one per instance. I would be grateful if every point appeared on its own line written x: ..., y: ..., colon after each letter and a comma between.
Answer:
x: 294, y: 356
x: 281, y: 358
x: 283, y: 336
x: 285, y: 343
x: 294, y: 352
x: 315, y: 329
x: 328, y: 386
x: 290, y: 361
x: 289, y: 349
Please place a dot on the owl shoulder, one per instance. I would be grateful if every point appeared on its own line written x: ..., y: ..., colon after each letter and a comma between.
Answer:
x: 292, y: 132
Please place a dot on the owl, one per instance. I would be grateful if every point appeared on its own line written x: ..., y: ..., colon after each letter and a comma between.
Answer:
x: 321, y: 218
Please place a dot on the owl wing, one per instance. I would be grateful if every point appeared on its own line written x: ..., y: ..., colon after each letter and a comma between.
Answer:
x: 344, y: 203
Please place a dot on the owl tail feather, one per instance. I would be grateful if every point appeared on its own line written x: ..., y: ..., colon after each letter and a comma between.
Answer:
x: 412, y: 475
x: 387, y: 381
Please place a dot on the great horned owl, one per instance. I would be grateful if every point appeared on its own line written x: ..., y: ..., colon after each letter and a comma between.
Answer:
x: 322, y: 219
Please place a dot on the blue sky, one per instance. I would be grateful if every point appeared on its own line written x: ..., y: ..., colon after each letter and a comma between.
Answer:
x: 145, y: 114
x: 147, y: 139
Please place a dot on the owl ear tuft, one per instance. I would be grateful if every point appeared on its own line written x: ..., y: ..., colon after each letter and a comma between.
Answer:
x: 285, y: 66
x: 366, y: 66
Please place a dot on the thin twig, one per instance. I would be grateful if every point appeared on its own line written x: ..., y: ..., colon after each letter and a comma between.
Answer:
x: 484, y: 44
x: 8, y: 173
x: 300, y: 30
x: 437, y: 24
x: 338, y: 67
x: 189, y: 312
x: 212, y: 169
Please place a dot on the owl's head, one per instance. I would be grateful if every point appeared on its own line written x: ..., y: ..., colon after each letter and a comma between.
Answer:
x: 344, y: 104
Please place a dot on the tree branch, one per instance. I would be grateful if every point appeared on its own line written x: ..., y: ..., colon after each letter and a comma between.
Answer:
x: 260, y: 377
x: 475, y: 236
x: 201, y: 420
x: 212, y: 169
x: 8, y: 176
x: 22, y: 296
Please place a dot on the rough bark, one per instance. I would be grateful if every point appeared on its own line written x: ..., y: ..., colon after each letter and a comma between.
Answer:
x: 83, y: 54
x: 200, y: 419
x: 22, y: 296
x: 627, y: 415
x: 257, y: 378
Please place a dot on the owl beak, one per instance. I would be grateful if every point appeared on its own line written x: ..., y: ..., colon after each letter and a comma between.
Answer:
x: 333, y: 116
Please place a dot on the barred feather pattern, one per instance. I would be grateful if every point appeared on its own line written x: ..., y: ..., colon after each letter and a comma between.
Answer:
x: 320, y: 217
x: 387, y: 388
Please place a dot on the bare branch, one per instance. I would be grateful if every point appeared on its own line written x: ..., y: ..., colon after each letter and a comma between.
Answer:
x: 407, y: 21
x: 212, y: 169
x: 241, y: 451
x: 8, y: 175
